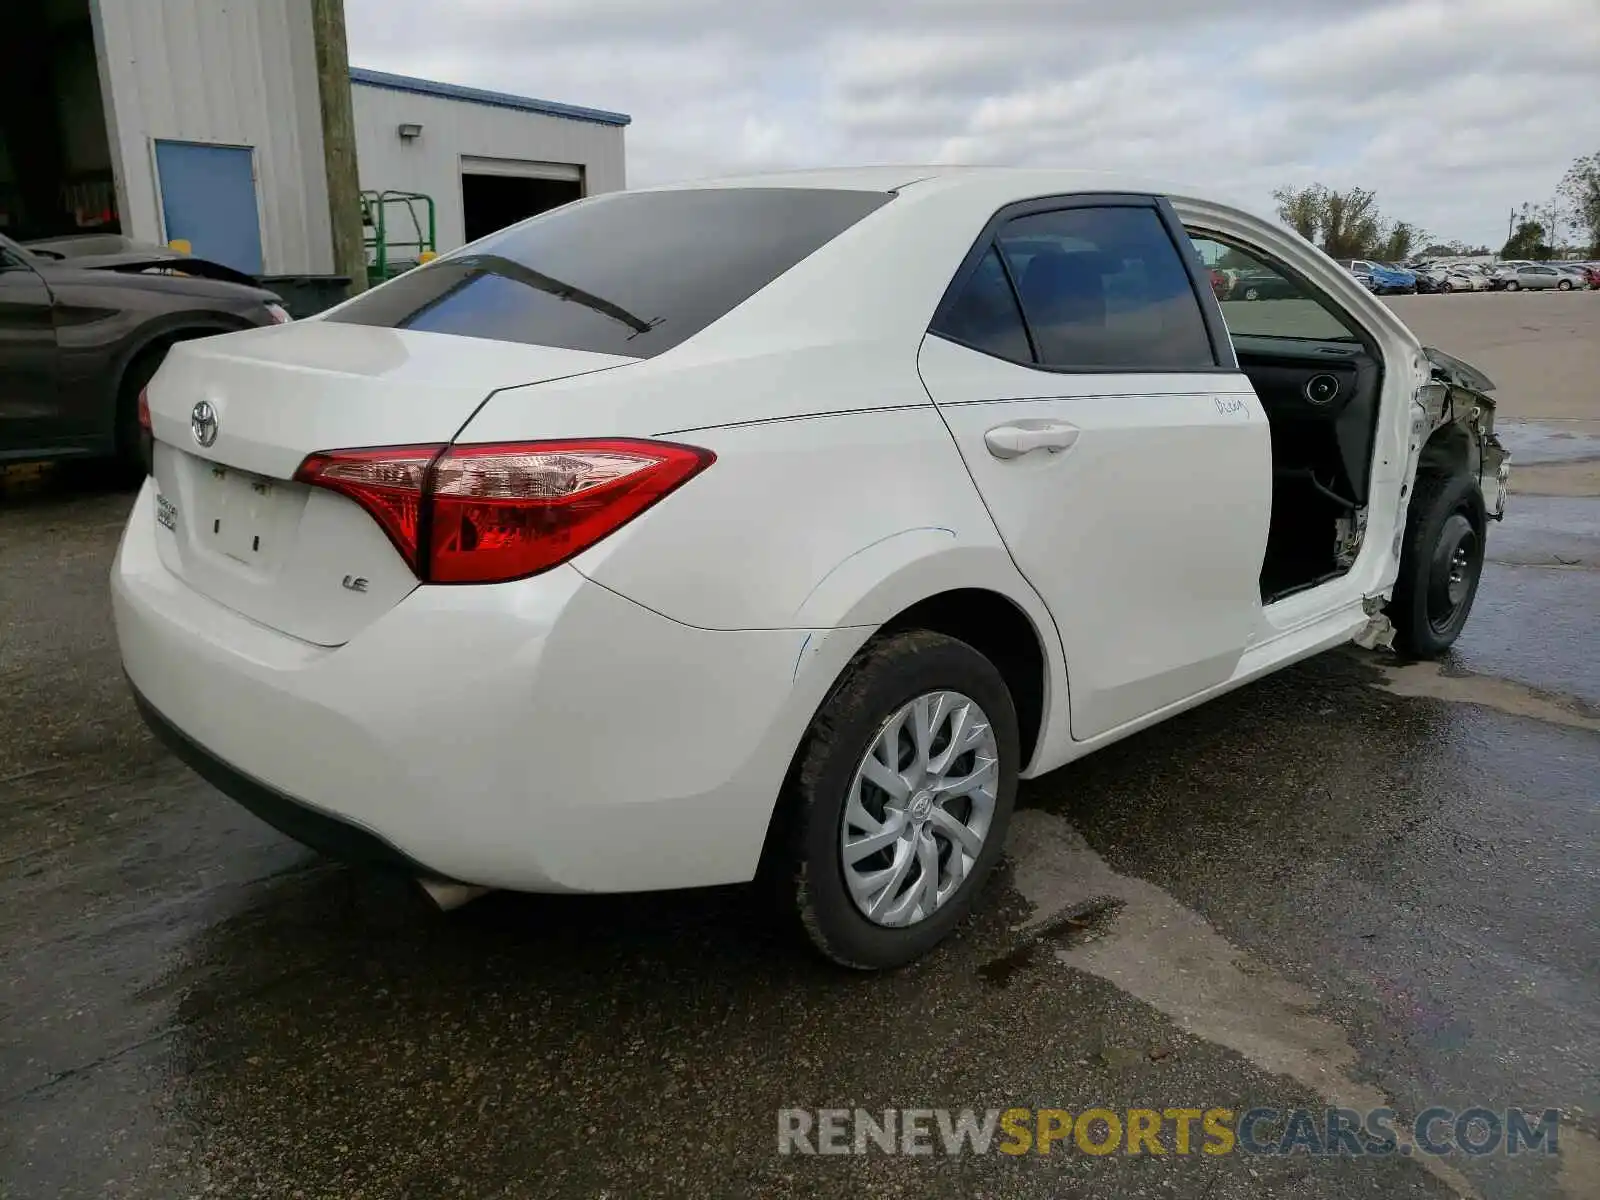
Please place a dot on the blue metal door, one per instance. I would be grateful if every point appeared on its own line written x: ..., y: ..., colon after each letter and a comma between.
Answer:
x: 208, y: 198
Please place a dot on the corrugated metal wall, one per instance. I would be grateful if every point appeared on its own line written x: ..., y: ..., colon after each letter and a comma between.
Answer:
x: 453, y: 129
x: 236, y: 72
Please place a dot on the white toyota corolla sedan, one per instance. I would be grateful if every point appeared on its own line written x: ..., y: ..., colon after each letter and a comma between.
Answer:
x: 775, y: 527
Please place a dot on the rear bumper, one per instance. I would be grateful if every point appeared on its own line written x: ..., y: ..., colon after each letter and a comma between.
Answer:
x: 319, y: 830
x: 543, y: 735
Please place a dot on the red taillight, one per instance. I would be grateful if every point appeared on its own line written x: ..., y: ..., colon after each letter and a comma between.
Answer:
x: 387, y: 481
x: 490, y: 513
x: 144, y: 409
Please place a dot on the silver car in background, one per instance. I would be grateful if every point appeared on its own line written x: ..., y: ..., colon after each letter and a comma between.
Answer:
x: 1537, y: 275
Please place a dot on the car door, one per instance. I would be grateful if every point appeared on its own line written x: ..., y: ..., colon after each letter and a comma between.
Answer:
x: 1082, y: 367
x: 29, y: 412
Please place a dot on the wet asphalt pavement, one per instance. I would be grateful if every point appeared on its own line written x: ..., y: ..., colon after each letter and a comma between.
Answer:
x: 1355, y: 883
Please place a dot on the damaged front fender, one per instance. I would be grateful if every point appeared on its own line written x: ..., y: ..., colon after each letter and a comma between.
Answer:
x: 1457, y: 394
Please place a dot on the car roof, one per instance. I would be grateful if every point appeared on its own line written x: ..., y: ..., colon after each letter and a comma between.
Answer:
x: 897, y: 178
x: 982, y: 187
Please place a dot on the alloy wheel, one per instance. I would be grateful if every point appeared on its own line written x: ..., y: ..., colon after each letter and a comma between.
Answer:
x: 920, y: 808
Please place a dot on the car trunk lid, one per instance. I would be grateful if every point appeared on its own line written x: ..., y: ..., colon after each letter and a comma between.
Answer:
x: 234, y: 417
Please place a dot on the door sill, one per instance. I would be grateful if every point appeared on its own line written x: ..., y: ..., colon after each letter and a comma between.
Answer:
x: 1302, y: 608
x: 1330, y: 627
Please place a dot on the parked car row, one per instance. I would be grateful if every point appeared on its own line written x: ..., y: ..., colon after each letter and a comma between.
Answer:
x: 1512, y: 276
x: 1383, y: 279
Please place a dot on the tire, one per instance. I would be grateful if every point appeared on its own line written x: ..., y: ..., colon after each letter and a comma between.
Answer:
x: 1564, y: 285
x: 1447, y: 287
x: 130, y: 458
x: 807, y: 867
x: 1513, y: 286
x: 1252, y: 294
x: 1445, y: 530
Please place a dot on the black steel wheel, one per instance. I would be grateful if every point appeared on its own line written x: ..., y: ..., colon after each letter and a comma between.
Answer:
x: 1441, y: 563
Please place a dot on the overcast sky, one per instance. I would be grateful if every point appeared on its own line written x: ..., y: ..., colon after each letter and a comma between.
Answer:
x: 1452, y: 110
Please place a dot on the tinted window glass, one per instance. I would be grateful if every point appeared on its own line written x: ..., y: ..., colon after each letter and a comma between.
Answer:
x: 1105, y: 289
x: 1259, y: 299
x: 985, y: 315
x: 630, y: 273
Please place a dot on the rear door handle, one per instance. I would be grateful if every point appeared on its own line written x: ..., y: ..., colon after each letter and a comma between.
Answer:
x: 1020, y: 437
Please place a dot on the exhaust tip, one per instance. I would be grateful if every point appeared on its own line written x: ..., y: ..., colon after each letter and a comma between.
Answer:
x: 449, y: 896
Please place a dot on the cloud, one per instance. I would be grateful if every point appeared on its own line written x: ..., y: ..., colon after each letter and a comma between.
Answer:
x: 1452, y: 110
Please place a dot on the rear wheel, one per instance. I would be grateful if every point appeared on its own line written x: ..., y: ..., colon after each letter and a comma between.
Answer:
x: 1440, y: 563
x: 1564, y: 285
x: 899, y: 802
x: 1512, y: 285
x: 130, y: 459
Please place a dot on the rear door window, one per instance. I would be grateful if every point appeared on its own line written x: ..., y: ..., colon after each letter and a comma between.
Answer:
x: 1099, y: 288
x: 1105, y: 289
x: 629, y: 273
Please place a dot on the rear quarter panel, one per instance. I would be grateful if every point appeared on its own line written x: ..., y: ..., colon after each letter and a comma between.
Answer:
x: 818, y: 522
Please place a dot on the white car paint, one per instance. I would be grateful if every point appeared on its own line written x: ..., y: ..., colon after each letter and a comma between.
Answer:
x: 625, y: 721
x: 1135, y: 643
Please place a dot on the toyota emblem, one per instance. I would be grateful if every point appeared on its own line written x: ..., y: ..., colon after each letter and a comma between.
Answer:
x: 203, y: 423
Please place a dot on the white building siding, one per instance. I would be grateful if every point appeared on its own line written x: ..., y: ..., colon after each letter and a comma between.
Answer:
x: 233, y: 72
x: 454, y: 129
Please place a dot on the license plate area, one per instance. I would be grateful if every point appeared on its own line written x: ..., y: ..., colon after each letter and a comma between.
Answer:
x: 241, y: 516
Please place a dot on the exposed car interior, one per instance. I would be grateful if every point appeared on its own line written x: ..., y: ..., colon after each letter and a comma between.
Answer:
x: 1319, y: 384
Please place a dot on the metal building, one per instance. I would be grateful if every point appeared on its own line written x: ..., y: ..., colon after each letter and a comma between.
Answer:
x: 201, y: 120
x: 486, y: 159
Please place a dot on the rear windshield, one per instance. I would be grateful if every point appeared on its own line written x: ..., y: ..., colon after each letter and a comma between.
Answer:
x: 631, y: 273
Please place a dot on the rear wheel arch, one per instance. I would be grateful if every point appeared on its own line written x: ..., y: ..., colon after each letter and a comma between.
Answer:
x: 997, y: 627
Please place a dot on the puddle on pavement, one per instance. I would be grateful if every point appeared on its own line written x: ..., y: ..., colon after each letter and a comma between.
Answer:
x: 1542, y: 442
x: 1136, y: 937
x: 1428, y: 680
x: 1083, y: 923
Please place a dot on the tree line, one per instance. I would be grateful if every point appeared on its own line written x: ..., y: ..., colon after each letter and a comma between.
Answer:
x: 1349, y: 224
x: 1568, y: 221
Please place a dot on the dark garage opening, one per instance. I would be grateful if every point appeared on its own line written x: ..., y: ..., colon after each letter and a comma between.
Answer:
x: 55, y: 158
x: 491, y: 202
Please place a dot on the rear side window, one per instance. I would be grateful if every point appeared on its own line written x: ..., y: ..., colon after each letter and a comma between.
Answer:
x: 1105, y: 289
x: 630, y: 273
x: 985, y: 315
x: 1099, y: 289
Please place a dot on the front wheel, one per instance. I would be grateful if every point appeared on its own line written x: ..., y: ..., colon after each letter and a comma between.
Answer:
x: 1441, y: 562
x: 1513, y: 286
x: 899, y: 801
x: 1564, y: 285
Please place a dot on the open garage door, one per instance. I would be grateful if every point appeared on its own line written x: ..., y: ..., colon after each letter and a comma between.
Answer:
x: 496, y: 192
x: 55, y: 157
